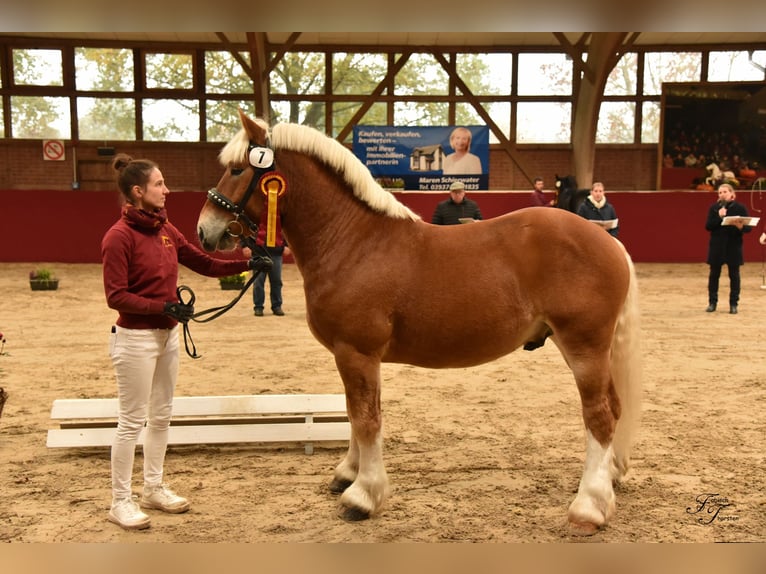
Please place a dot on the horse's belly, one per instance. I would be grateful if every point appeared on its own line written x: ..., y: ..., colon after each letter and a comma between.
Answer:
x: 457, y: 350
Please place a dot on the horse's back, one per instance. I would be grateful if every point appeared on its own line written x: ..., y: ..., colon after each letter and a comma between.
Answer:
x: 530, y: 238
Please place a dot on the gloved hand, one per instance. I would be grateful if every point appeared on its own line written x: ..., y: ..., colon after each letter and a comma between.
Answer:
x: 260, y: 263
x: 179, y: 311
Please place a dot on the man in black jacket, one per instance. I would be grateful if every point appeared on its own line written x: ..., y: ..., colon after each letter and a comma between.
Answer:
x: 457, y: 207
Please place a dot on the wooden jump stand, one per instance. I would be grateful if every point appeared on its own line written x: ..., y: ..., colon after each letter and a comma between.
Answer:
x: 212, y: 420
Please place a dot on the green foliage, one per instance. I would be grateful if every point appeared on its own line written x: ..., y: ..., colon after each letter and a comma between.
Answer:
x: 238, y: 278
x: 41, y: 274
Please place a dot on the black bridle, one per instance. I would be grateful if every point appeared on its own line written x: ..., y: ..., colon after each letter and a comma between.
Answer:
x: 238, y: 209
x: 256, y: 155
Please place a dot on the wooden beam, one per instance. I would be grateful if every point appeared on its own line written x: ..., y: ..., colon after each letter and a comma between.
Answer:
x: 279, y: 54
x: 576, y: 55
x: 235, y: 54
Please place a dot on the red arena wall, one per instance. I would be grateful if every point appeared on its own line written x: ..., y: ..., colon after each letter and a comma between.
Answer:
x: 67, y: 226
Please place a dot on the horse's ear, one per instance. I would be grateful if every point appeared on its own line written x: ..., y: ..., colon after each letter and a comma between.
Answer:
x: 242, y: 117
x: 256, y: 132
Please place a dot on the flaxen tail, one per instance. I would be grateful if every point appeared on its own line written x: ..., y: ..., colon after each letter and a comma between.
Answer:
x: 626, y: 365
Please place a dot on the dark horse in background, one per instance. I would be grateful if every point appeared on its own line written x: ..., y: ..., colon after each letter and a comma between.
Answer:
x: 567, y: 195
x: 382, y: 286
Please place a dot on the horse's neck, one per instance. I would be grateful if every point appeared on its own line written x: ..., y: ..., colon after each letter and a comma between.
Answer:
x: 323, y: 218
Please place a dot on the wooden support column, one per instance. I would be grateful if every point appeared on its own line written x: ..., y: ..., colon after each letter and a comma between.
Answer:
x: 259, y: 58
x: 605, y: 50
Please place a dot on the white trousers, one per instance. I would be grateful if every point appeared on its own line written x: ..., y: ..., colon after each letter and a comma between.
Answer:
x: 146, y: 366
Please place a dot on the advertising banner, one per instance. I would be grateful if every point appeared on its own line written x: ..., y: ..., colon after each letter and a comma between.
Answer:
x: 425, y: 158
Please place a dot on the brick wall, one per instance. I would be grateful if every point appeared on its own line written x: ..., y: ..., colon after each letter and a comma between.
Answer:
x: 195, y: 167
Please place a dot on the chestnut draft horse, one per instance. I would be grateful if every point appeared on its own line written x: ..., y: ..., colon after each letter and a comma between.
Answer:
x: 375, y: 279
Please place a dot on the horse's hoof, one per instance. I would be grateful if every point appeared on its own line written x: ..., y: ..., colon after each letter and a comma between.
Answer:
x: 353, y: 514
x: 338, y: 486
x: 583, y: 528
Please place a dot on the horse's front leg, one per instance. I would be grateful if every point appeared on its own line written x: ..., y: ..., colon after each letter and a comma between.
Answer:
x: 361, y: 475
x: 347, y: 469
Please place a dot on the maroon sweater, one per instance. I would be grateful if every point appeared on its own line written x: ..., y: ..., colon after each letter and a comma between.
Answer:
x: 140, y: 256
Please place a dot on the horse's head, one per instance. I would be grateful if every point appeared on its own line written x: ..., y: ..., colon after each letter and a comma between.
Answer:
x: 233, y: 207
x: 566, y: 182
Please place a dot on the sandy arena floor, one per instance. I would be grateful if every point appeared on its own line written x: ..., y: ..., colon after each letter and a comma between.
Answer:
x: 486, y: 454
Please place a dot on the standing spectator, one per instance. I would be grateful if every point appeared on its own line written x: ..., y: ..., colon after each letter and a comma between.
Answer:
x: 537, y: 197
x: 457, y: 207
x: 275, y: 282
x: 725, y: 246
x: 596, y: 207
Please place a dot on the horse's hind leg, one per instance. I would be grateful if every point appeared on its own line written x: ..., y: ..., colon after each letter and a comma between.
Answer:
x: 361, y: 476
x: 594, y: 504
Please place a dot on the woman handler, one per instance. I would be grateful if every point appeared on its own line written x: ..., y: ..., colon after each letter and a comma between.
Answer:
x: 140, y: 255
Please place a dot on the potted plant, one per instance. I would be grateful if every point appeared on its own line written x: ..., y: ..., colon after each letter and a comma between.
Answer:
x: 42, y: 279
x: 233, y: 282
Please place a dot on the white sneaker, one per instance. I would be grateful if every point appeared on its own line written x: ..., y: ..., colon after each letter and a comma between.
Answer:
x: 126, y: 513
x: 162, y: 498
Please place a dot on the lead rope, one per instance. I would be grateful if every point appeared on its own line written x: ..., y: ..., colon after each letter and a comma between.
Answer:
x: 216, y: 312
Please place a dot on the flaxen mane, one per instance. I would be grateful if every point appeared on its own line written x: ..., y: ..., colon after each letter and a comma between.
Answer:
x: 307, y: 140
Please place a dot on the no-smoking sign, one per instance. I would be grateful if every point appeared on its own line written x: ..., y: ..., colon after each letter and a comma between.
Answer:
x: 53, y: 150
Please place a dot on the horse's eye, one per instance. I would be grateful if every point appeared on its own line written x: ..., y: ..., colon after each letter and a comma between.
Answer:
x: 236, y: 171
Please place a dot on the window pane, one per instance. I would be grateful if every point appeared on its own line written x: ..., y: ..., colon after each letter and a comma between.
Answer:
x: 421, y: 114
x: 543, y: 122
x: 486, y: 74
x: 37, y: 68
x: 500, y: 113
x: 103, y: 69
x: 650, y: 122
x: 224, y: 75
x: 305, y: 113
x: 2, y: 123
x: 169, y: 71
x: 545, y: 75
x: 735, y: 66
x: 171, y: 120
x: 615, y: 122
x: 357, y: 73
x: 299, y: 73
x: 106, y: 118
x: 223, y: 118
x: 421, y: 75
x: 670, y: 67
x: 466, y: 114
x: 40, y: 117
x: 342, y: 112
x: 622, y: 78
